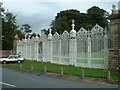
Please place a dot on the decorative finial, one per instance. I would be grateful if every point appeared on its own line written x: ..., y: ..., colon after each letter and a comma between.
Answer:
x: 25, y: 37
x: 73, y: 21
x: 73, y: 25
x: 50, y: 35
x: 50, y: 30
x: 16, y: 36
x: 73, y: 32
x: 36, y: 36
x: 113, y: 6
x: 114, y: 10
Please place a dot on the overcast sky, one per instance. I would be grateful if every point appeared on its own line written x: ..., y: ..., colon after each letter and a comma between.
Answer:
x: 39, y: 14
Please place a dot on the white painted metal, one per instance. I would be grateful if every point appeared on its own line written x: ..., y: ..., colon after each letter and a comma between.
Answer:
x: 83, y: 48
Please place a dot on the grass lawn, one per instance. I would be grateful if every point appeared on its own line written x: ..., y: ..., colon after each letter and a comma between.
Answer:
x: 70, y: 70
x: 99, y: 54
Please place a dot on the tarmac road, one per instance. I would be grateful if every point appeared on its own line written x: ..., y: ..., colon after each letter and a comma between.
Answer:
x: 17, y: 79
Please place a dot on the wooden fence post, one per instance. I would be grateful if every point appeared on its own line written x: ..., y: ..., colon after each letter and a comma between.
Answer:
x: 45, y: 69
x: 82, y: 74
x: 109, y: 76
x: 32, y: 67
x: 21, y: 66
x: 61, y: 71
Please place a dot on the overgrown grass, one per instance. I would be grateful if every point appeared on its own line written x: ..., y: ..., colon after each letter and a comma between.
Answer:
x: 70, y: 70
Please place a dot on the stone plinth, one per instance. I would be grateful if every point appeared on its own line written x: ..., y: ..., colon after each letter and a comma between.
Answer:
x: 114, y: 51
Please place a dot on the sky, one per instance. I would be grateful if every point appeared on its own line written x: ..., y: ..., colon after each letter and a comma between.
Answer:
x: 39, y: 14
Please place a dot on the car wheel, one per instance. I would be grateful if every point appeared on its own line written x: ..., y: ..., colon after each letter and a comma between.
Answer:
x: 4, y: 62
x: 18, y: 61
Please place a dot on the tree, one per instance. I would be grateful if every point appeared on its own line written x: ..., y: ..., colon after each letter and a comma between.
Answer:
x: 63, y: 20
x: 26, y: 28
x: 98, y: 16
x: 9, y: 28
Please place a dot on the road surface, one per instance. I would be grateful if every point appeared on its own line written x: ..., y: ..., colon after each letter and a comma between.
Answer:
x: 17, y: 79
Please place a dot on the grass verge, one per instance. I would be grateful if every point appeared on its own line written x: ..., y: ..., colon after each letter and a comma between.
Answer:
x: 69, y: 70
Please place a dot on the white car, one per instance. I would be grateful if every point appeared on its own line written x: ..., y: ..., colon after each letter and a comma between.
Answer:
x: 12, y: 58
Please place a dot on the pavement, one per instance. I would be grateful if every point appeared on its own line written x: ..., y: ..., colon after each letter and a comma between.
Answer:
x: 18, y: 79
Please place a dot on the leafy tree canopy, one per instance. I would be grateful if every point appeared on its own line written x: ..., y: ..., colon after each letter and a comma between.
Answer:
x: 98, y: 16
x: 26, y: 28
x: 87, y: 20
x: 9, y: 29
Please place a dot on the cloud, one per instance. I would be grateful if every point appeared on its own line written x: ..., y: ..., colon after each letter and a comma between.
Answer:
x: 38, y: 15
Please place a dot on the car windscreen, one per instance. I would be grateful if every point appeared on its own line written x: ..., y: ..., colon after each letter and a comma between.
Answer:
x: 19, y: 56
